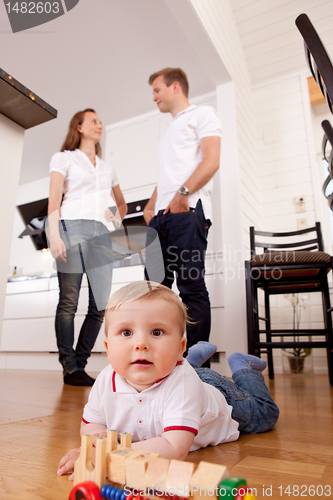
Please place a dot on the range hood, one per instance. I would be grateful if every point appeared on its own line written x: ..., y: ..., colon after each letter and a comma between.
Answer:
x: 34, y: 215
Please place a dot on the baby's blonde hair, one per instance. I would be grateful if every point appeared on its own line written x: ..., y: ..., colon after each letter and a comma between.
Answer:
x: 146, y: 290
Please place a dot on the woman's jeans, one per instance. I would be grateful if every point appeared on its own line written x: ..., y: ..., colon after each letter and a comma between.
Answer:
x: 253, y: 407
x: 89, y: 250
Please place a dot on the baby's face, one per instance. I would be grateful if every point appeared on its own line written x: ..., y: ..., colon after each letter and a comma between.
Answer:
x: 144, y: 341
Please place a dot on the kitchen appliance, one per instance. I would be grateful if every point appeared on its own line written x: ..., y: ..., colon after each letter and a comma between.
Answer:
x: 128, y: 241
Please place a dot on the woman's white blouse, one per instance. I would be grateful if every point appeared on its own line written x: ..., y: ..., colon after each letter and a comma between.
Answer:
x: 87, y: 188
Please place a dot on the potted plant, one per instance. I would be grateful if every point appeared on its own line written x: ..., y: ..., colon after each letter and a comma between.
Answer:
x: 296, y: 356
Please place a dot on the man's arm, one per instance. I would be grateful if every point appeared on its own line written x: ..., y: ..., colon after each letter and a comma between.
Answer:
x: 210, y: 148
x: 149, y: 210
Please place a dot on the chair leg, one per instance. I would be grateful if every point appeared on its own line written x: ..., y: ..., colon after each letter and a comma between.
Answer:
x: 250, y: 293
x: 257, y: 350
x: 328, y: 325
x: 269, y: 336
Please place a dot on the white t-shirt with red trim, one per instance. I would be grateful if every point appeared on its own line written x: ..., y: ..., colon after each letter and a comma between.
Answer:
x: 181, y: 401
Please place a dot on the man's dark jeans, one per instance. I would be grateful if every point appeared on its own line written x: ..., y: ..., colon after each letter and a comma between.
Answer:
x: 183, y: 239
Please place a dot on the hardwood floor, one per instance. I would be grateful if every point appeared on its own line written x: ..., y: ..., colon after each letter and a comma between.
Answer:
x: 40, y: 418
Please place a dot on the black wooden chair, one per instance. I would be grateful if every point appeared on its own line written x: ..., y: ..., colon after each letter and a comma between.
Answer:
x: 282, y: 265
x: 322, y: 70
x: 319, y: 62
x: 327, y: 149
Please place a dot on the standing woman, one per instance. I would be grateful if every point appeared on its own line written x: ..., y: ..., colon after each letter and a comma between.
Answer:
x: 79, y: 225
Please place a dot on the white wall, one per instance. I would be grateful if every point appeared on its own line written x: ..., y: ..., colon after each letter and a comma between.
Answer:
x: 23, y: 253
x: 219, y: 22
x: 285, y: 154
x: 239, y: 190
x: 276, y: 152
x: 289, y: 150
x: 318, y: 115
x: 11, y: 147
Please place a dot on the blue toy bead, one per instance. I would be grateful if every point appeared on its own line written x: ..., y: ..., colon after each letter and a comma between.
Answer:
x: 104, y: 490
x: 118, y: 494
x: 107, y: 490
x: 124, y: 495
x: 113, y: 493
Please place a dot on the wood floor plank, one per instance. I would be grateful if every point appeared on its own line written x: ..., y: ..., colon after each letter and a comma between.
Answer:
x: 40, y: 420
x: 283, y: 466
x: 292, y: 443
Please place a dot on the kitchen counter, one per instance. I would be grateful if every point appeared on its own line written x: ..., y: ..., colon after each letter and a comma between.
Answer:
x: 15, y: 279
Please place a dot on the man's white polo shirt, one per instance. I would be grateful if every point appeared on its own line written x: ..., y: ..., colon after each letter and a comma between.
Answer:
x: 180, y: 155
x: 181, y: 401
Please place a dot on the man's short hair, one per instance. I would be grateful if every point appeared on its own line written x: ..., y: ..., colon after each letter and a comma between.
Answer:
x: 171, y: 75
x: 146, y: 290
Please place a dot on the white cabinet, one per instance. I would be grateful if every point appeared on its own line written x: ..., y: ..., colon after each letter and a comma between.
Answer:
x: 30, y: 309
x: 217, y: 336
x: 24, y: 335
x: 132, y: 148
x: 26, y: 305
x: 25, y: 316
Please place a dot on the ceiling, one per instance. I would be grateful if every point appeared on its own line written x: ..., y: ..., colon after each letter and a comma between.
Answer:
x: 101, y: 53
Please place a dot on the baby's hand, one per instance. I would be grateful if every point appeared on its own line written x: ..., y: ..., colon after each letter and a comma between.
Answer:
x: 99, y: 435
x: 66, y: 464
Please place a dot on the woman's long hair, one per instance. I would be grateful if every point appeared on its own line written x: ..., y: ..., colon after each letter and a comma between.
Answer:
x: 73, y: 137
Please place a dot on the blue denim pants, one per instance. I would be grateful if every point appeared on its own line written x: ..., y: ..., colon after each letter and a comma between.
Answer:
x: 183, y: 240
x: 253, y: 407
x: 89, y: 251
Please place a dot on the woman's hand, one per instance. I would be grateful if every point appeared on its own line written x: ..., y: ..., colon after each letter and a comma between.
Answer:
x: 58, y: 249
x: 67, y: 462
x: 112, y: 218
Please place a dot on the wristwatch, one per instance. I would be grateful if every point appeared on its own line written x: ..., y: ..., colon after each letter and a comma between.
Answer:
x: 183, y: 190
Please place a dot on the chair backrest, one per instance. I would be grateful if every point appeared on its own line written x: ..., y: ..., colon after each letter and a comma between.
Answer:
x: 327, y: 149
x: 319, y: 62
x: 291, y: 241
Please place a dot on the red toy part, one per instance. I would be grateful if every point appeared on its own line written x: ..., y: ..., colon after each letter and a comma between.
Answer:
x: 244, y: 494
x: 87, y: 490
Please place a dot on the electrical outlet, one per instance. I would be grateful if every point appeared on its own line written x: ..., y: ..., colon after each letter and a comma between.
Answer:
x: 300, y: 203
x: 302, y: 223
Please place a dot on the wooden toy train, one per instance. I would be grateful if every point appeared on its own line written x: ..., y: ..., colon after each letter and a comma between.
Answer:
x: 127, y: 474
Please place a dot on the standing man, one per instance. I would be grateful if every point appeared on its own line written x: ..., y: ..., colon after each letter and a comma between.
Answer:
x: 180, y: 207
